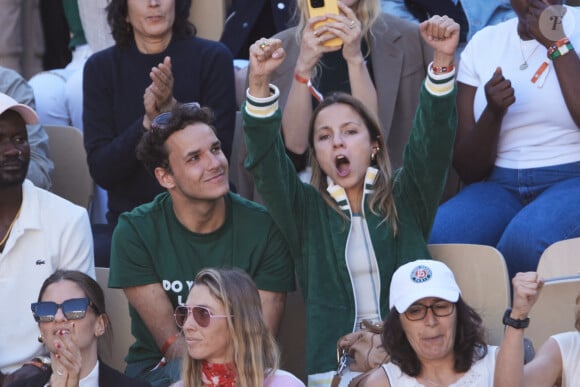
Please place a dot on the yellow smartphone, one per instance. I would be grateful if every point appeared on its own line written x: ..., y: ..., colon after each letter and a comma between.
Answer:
x: 320, y: 8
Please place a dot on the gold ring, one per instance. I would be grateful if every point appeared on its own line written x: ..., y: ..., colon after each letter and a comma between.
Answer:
x: 351, y: 26
x: 264, y: 44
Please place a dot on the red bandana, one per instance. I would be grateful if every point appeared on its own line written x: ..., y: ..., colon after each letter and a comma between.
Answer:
x: 218, y: 375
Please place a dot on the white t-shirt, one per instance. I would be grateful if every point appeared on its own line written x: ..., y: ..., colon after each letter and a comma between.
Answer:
x: 364, y: 271
x: 537, y: 130
x: 569, y: 343
x: 51, y: 233
x: 479, y: 375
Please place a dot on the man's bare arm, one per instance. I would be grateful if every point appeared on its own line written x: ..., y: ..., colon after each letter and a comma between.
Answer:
x: 154, y: 307
x: 273, y: 304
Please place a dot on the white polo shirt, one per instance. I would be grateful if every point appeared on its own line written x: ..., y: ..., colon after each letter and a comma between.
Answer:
x: 51, y: 233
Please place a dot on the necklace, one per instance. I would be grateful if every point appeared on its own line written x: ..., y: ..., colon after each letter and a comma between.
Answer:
x: 10, y: 228
x: 524, y: 64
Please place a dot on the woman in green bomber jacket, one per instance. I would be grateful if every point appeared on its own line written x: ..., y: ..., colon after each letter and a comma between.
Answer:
x: 356, y: 222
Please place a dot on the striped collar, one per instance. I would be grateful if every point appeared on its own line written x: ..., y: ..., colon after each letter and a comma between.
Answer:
x: 339, y: 194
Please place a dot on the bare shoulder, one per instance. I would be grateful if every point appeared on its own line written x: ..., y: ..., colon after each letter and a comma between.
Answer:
x: 546, y: 367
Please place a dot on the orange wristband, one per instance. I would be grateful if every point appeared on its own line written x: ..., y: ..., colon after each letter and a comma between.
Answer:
x: 315, y: 93
x: 168, y: 343
x: 300, y: 79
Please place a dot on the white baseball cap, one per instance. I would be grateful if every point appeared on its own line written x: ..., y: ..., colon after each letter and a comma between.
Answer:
x: 420, y: 279
x: 26, y: 112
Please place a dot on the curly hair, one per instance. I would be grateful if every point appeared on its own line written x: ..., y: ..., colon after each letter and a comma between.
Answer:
x: 151, y: 149
x: 469, y: 345
x: 122, y: 31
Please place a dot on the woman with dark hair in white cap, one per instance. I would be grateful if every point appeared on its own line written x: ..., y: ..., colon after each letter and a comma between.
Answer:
x: 433, y: 337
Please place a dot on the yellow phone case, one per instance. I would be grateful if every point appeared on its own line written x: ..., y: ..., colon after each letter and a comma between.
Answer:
x: 320, y: 8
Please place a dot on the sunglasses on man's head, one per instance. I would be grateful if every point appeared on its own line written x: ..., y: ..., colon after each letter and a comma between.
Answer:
x: 73, y: 309
x: 201, y: 315
x: 162, y: 120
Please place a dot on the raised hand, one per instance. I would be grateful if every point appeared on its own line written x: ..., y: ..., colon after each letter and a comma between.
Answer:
x: 442, y: 34
x: 265, y: 56
x: 544, y: 22
x: 312, y: 45
x: 151, y: 110
x: 158, y: 96
x: 499, y: 93
x: 347, y: 27
x: 162, y: 85
x: 527, y: 288
x: 66, y: 360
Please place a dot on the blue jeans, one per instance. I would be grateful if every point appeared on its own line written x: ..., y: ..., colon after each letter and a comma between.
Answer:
x: 521, y: 212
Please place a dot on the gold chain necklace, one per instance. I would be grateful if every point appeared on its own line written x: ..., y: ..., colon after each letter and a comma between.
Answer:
x: 7, y: 234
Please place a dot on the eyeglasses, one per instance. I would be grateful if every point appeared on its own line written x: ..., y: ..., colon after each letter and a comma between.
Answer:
x: 419, y: 311
x: 162, y: 120
x: 73, y: 309
x: 201, y: 315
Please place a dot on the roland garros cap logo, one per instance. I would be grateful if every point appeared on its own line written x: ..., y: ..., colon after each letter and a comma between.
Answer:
x: 552, y: 22
x: 421, y: 274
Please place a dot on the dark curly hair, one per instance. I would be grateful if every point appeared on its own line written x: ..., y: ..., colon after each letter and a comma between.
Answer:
x: 151, y: 149
x: 469, y: 345
x: 122, y: 31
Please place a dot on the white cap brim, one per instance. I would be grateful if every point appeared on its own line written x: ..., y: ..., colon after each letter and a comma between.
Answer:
x: 403, y: 303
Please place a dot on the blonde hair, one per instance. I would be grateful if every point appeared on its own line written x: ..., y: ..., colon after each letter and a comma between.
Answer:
x: 381, y: 200
x: 256, y: 353
x: 366, y: 11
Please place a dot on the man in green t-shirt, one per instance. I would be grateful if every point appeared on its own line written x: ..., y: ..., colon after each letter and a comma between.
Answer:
x: 158, y: 248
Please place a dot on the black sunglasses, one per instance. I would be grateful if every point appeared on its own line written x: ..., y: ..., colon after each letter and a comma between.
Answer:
x: 162, y: 120
x: 73, y: 309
